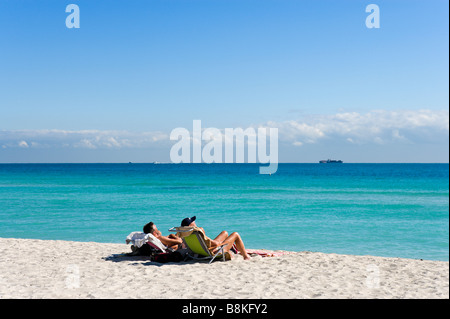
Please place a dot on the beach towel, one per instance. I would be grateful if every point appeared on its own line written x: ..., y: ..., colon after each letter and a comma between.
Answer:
x: 186, y: 231
x: 266, y: 253
x: 138, y: 239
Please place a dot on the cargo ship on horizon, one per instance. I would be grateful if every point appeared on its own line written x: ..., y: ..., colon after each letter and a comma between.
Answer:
x: 330, y: 161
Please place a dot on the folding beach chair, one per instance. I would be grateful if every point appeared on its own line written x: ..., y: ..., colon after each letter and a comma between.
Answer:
x: 145, y: 244
x: 196, y: 242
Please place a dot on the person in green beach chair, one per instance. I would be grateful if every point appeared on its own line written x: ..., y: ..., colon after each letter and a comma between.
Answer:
x: 234, y: 240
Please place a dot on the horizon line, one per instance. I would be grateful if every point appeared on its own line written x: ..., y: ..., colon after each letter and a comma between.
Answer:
x: 157, y: 163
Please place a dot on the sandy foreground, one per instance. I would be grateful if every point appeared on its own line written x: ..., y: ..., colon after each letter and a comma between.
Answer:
x: 63, y: 269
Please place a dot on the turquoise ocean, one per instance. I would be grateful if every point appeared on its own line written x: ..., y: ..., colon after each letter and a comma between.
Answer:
x: 391, y: 210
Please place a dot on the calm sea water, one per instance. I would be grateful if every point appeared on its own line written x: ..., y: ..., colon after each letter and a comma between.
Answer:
x: 392, y: 210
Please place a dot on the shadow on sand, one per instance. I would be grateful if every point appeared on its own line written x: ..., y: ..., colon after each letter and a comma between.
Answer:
x: 142, y: 260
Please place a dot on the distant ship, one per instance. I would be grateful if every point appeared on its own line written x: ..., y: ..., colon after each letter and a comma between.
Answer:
x: 329, y: 161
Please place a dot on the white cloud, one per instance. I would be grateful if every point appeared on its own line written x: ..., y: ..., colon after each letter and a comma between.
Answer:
x: 23, y: 144
x: 379, y: 127
x: 89, y: 139
x: 85, y: 143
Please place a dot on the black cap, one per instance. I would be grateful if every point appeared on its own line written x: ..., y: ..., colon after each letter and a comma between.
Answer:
x: 187, y: 221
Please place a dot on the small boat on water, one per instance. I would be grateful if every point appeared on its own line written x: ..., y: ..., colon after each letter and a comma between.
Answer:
x: 330, y: 161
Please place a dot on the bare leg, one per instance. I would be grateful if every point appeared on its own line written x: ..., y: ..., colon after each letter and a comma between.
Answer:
x: 219, y: 239
x: 222, y: 236
x: 236, y: 238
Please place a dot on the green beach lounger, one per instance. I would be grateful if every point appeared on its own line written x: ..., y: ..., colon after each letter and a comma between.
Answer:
x: 197, y: 245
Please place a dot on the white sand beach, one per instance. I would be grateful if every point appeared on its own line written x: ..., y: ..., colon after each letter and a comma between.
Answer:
x: 63, y: 269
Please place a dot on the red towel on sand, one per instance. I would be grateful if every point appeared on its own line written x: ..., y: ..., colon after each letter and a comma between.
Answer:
x: 264, y: 253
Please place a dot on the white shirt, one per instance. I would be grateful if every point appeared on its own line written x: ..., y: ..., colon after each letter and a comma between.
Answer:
x: 138, y: 239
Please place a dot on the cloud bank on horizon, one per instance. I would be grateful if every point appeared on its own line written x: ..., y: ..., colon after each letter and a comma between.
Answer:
x: 382, y: 128
x: 379, y: 127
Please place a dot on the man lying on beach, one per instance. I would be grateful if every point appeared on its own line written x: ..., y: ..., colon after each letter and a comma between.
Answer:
x: 223, y: 238
x: 171, y: 241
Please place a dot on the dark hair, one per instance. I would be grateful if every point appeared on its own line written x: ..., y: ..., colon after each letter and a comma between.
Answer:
x: 148, y: 228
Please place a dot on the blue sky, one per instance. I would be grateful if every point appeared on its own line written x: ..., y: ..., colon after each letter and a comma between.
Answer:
x: 135, y: 70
